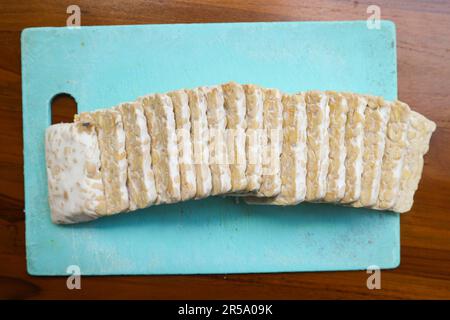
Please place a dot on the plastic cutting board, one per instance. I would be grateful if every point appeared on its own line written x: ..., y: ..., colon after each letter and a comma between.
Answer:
x: 102, y: 66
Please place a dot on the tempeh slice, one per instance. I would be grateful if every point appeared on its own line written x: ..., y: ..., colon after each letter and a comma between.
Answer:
x: 419, y: 135
x: 141, y: 180
x: 235, y: 108
x: 180, y: 101
x: 354, y: 144
x: 75, y: 185
x: 394, y: 154
x: 318, y: 117
x: 200, y: 138
x: 158, y: 109
x: 217, y: 122
x: 111, y: 140
x: 337, y: 152
x: 376, y: 118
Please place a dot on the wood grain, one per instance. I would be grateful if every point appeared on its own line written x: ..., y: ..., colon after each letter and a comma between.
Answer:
x: 423, y: 35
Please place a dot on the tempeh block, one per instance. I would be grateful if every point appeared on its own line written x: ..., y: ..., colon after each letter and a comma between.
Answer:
x: 75, y: 185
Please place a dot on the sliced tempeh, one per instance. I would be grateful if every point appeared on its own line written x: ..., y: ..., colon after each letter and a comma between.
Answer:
x: 217, y: 122
x: 293, y: 156
x: 337, y: 152
x: 141, y: 181
x: 158, y: 109
x: 419, y: 135
x: 376, y: 118
x: 394, y: 154
x: 254, y: 98
x: 235, y: 108
x: 180, y: 101
x: 354, y: 144
x: 75, y: 185
x: 111, y: 140
x: 318, y: 114
x: 200, y: 137
x: 271, y: 148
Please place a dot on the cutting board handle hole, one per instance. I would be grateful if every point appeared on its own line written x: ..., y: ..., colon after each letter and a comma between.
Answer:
x: 63, y: 108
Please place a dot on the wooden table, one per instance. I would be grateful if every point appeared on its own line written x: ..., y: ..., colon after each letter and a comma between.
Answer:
x: 423, y: 35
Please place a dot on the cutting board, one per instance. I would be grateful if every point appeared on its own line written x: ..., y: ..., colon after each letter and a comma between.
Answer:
x: 102, y: 66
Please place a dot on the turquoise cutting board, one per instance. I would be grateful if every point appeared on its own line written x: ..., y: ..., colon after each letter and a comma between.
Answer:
x: 102, y: 66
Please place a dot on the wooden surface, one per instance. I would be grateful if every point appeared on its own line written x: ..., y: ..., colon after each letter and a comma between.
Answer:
x: 423, y: 41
